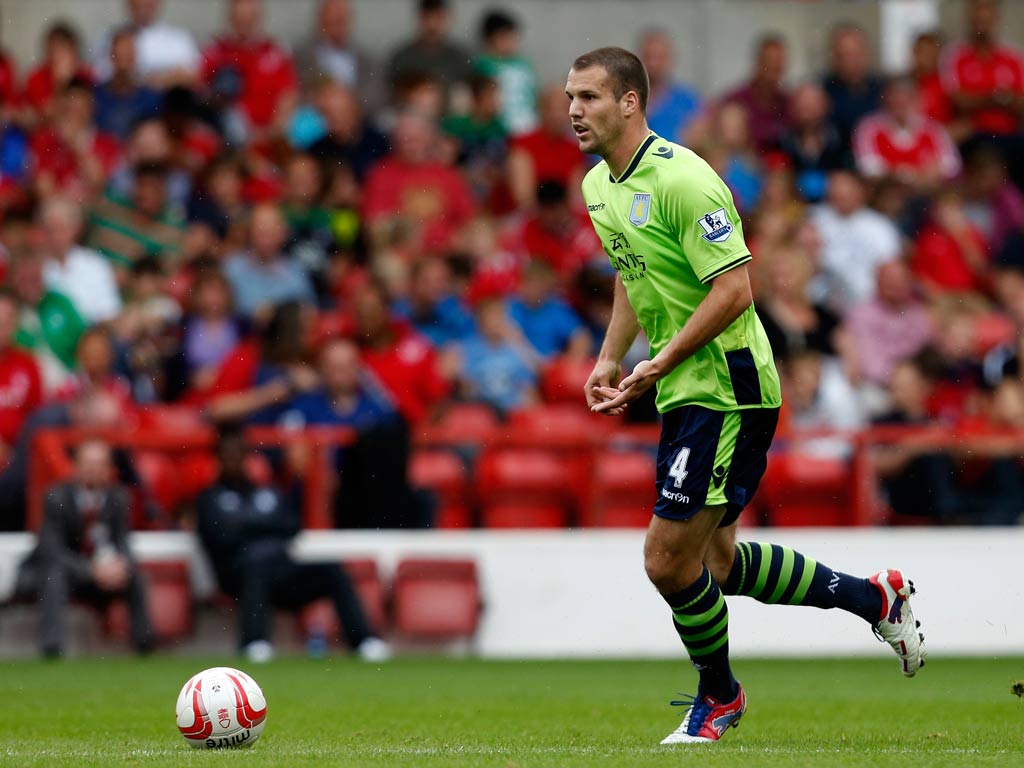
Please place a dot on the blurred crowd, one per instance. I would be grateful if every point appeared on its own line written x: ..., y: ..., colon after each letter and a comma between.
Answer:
x: 322, y: 234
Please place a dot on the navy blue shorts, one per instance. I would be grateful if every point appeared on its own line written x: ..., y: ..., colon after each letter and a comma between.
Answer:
x: 712, y: 458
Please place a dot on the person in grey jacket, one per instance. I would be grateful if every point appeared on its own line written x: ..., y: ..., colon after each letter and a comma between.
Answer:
x: 83, y: 551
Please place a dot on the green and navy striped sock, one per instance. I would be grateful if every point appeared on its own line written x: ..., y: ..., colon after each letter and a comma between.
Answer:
x: 773, y: 574
x: 702, y: 621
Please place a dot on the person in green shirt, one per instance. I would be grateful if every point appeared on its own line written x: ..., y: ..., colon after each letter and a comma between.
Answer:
x: 670, y: 228
x: 502, y: 61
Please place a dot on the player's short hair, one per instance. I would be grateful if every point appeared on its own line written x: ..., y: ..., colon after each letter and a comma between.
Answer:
x: 626, y: 70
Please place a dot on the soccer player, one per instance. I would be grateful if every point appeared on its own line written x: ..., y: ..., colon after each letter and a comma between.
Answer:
x: 670, y: 228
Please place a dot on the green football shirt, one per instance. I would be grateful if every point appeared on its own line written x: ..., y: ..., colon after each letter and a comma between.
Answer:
x: 669, y: 225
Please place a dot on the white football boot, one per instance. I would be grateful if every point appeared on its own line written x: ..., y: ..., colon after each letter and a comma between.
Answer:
x: 898, y: 627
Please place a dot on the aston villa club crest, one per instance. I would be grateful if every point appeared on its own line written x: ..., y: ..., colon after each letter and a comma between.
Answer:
x: 640, y: 211
x: 716, y: 226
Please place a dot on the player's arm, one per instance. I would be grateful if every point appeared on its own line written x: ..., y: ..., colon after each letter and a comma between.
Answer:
x: 622, y: 330
x: 729, y: 297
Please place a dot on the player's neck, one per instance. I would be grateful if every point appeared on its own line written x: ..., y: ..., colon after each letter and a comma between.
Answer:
x: 618, y: 159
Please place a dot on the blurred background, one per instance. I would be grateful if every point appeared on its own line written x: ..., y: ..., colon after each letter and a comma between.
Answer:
x: 317, y: 273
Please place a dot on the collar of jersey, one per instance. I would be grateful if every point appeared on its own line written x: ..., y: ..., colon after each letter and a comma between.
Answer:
x: 637, y: 156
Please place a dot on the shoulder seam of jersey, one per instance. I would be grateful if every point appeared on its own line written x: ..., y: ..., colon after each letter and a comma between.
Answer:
x: 636, y: 159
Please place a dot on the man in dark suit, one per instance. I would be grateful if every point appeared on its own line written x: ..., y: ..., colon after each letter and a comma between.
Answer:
x: 83, y: 551
x: 246, y: 530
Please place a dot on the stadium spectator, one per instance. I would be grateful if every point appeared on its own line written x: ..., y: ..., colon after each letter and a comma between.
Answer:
x: 550, y: 325
x: 811, y: 143
x: 545, y: 154
x: 311, y: 239
x: 374, y: 490
x: 949, y: 254
x: 498, y: 364
x: 431, y: 52
x: 256, y: 380
x: 165, y: 54
x: 764, y: 96
x: 432, y: 307
x: 481, y: 142
x: 402, y: 360
x: 792, y: 321
x: 410, y: 189
x: 993, y: 203
x: 899, y: 142
x: 151, y: 144
x: 856, y: 240
x: 21, y: 389
x: 77, y: 272
x: 918, y: 480
x: 121, y: 99
x: 820, y: 397
x: 671, y: 106
x: 68, y: 154
x: 853, y: 89
x: 729, y: 148
x: 924, y: 70
x: 8, y: 87
x: 246, y: 530
x: 218, y: 205
x: 501, y: 60
x: 331, y: 52
x: 884, y: 330
x: 555, y: 234
x: 49, y: 326
x: 83, y: 552
x: 143, y: 225
x: 146, y: 329
x: 262, y: 276
x: 62, y: 63
x: 349, y: 138
x: 209, y: 332
x: 253, y: 72
x: 983, y: 77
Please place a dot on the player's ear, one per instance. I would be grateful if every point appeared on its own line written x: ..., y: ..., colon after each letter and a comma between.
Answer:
x: 630, y: 103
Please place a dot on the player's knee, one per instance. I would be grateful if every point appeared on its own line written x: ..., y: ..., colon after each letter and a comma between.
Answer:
x: 719, y: 562
x: 670, y: 572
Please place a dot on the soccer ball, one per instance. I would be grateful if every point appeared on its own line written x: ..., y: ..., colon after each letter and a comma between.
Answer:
x: 221, y: 707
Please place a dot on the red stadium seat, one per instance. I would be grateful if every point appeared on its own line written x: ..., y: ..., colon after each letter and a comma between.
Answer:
x: 560, y: 424
x: 168, y: 600
x: 171, y: 418
x: 436, y: 599
x: 367, y: 582
x: 562, y: 380
x: 802, y: 490
x: 443, y: 473
x: 462, y: 424
x: 623, y: 490
x: 523, y: 488
x: 160, y: 475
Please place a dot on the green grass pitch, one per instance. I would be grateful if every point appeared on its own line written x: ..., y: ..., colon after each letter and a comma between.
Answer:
x: 430, y: 712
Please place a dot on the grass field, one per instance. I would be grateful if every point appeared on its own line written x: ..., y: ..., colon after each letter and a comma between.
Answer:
x: 426, y: 713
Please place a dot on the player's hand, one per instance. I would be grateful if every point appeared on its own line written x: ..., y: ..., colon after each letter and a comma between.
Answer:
x: 110, y: 573
x: 644, y: 376
x: 599, y: 387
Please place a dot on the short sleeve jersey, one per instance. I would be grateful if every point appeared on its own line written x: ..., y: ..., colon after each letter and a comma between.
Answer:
x: 669, y: 226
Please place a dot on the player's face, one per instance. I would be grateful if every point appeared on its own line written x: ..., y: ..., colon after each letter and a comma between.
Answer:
x: 596, y: 115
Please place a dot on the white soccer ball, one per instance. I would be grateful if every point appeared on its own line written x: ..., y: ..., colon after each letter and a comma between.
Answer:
x: 221, y: 707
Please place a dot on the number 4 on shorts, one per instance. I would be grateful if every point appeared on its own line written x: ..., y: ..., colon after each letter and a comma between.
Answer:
x: 678, y: 470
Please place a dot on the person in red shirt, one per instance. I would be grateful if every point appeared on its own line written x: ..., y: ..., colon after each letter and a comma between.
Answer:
x: 556, y: 234
x: 67, y: 153
x: 898, y: 141
x: 924, y: 68
x: 62, y: 63
x: 764, y: 96
x: 548, y: 153
x: 21, y: 389
x: 985, y: 79
x: 949, y: 255
x: 402, y: 359
x: 410, y: 187
x: 255, y: 69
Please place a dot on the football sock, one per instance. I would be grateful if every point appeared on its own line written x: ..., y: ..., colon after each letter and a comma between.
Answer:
x: 772, y: 574
x: 702, y: 621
